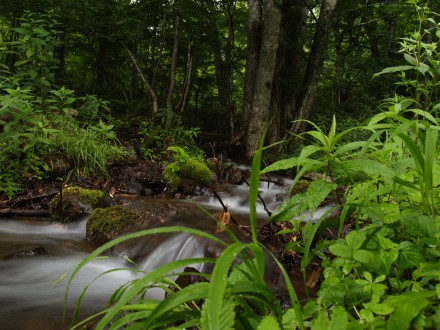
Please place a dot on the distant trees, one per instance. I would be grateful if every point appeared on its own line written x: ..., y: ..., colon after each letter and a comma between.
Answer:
x: 232, y: 66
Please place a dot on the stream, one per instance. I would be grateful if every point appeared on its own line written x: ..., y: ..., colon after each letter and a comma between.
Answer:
x: 31, y: 293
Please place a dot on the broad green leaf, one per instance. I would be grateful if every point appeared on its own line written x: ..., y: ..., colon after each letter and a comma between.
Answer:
x: 388, y: 257
x: 355, y: 239
x: 290, y: 208
x: 269, y: 323
x: 21, y: 62
x: 321, y: 137
x: 394, y: 69
x: 341, y: 250
x: 317, y: 193
x: 339, y: 319
x: 283, y: 164
x: 407, y: 307
x: 308, y: 150
x: 422, y: 68
x: 364, y: 256
x: 419, y: 225
x: 428, y: 270
x: 321, y: 322
x: 21, y: 30
x: 410, y: 255
x: 378, y: 308
x: 370, y: 167
x: 410, y: 59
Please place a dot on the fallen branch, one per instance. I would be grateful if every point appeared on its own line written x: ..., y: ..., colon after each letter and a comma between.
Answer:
x: 10, y: 212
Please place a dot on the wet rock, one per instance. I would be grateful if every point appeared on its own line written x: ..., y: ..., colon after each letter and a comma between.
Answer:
x: 74, y: 204
x: 234, y: 176
x: 143, y: 178
x: 134, y: 187
x: 107, y: 224
x: 27, y: 253
x: 192, y: 276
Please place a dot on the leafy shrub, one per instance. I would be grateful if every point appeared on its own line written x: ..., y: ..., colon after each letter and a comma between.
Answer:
x: 36, y: 120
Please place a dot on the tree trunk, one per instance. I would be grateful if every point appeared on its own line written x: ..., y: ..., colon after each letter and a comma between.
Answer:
x: 187, y: 83
x: 222, y: 51
x: 172, y: 79
x: 306, y: 99
x: 252, y: 59
x: 264, y: 79
x: 288, y: 73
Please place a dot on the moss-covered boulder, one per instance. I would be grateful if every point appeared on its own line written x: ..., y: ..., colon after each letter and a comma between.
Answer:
x: 109, y: 223
x: 106, y: 224
x: 178, y: 175
x: 74, y: 203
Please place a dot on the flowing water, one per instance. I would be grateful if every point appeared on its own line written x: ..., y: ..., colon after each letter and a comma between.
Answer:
x: 31, y: 293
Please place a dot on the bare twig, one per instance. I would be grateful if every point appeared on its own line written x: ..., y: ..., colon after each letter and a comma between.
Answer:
x: 262, y: 201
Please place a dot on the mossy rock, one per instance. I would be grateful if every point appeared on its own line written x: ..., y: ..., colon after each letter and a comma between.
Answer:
x: 106, y: 224
x: 175, y: 173
x: 144, y: 213
x: 76, y: 204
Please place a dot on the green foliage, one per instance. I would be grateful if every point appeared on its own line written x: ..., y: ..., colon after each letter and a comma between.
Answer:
x: 154, y: 139
x: 419, y: 77
x: 36, y: 120
x: 387, y: 264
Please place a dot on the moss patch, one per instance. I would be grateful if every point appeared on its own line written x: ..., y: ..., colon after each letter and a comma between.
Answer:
x: 106, y: 224
x: 188, y: 169
x: 86, y: 196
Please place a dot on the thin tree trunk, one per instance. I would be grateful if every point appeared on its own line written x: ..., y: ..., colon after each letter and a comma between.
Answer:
x: 162, y: 44
x: 259, y: 117
x: 306, y: 99
x: 223, y: 58
x: 172, y: 79
x: 144, y: 80
x: 187, y: 83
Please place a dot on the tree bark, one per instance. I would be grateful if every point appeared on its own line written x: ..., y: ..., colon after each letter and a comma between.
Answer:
x: 252, y: 59
x: 262, y: 90
x: 172, y: 78
x: 288, y: 73
x: 306, y: 99
x: 223, y: 60
x: 187, y: 83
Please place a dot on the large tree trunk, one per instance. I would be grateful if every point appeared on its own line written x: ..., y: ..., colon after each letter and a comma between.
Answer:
x: 252, y: 59
x: 288, y: 73
x: 306, y: 99
x: 262, y: 91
